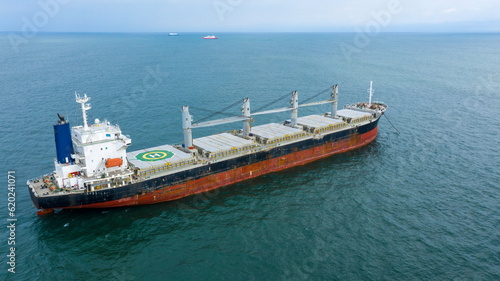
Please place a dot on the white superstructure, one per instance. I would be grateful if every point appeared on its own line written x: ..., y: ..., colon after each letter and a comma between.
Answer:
x: 96, y: 145
x: 100, y: 152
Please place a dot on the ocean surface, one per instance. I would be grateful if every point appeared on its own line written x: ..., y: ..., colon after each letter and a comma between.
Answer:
x: 422, y: 204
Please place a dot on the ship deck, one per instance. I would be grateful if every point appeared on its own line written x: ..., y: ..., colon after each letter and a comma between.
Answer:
x: 202, y: 160
x: 166, y: 159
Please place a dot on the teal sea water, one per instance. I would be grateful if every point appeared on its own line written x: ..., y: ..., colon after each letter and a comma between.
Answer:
x: 420, y: 205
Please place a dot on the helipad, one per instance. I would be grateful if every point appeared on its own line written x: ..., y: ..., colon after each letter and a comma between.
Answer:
x: 157, y: 156
x: 154, y: 155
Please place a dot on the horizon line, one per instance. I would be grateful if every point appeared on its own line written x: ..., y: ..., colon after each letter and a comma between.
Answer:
x: 262, y: 32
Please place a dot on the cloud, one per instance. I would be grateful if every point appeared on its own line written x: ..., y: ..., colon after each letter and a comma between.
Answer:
x: 449, y: 11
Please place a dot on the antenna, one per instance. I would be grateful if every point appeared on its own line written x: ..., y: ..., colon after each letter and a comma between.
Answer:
x: 85, y: 107
x: 371, y: 93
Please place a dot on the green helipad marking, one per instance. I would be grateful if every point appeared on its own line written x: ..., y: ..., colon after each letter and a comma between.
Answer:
x: 154, y: 155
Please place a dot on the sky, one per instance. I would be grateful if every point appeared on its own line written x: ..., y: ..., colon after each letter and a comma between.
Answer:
x: 250, y: 15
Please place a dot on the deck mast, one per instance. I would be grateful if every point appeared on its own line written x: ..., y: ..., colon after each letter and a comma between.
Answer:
x: 335, y: 97
x: 294, y: 102
x: 245, y: 109
x: 371, y: 93
x: 186, y: 127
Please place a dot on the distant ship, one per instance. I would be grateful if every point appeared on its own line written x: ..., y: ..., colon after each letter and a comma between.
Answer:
x: 94, y: 170
x: 173, y: 34
x: 210, y: 37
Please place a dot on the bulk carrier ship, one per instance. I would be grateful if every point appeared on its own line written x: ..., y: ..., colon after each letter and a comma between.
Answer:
x: 94, y: 170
